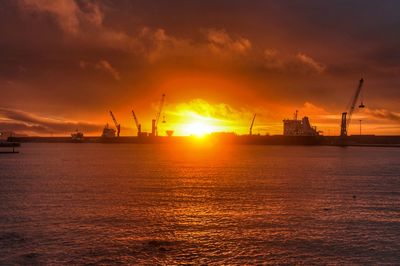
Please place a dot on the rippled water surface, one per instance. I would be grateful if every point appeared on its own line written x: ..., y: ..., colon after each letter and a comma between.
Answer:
x: 158, y: 204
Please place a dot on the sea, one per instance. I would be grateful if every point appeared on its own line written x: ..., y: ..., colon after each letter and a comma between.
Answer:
x: 199, y: 204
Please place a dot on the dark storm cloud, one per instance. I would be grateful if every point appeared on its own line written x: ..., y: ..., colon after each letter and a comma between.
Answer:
x: 137, y: 26
x: 21, y: 127
x: 23, y: 121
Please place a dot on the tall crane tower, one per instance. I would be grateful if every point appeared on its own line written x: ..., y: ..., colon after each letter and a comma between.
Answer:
x: 251, y: 125
x: 117, y: 126
x: 138, y: 126
x: 154, y: 122
x: 346, y: 116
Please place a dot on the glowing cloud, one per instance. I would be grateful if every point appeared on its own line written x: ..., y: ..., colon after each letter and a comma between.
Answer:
x: 199, y: 117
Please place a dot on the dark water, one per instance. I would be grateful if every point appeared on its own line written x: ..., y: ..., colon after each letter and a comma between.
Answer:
x: 146, y: 204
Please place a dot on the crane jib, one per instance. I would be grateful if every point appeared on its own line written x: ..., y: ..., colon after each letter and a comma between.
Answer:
x: 346, y: 116
x: 160, y: 108
x: 354, y: 101
x: 117, y: 126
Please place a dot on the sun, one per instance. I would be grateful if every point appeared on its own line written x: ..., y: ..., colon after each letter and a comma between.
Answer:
x: 198, y: 129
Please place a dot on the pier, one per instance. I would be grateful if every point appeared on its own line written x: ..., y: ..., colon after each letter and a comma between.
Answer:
x: 9, y: 146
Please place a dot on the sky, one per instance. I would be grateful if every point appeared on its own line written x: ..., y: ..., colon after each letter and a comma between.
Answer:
x: 64, y: 64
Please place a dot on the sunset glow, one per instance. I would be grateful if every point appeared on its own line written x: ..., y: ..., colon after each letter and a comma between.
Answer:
x: 266, y: 58
x: 198, y: 129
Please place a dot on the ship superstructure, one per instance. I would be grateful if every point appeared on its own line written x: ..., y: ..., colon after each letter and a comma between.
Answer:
x: 108, y: 132
x: 296, y: 127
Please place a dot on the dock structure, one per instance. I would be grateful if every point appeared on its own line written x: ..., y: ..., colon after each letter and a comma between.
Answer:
x: 226, y: 137
x: 11, y: 145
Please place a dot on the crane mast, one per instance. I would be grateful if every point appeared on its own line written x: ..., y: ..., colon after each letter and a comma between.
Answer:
x: 160, y: 108
x: 138, y: 126
x: 118, y: 126
x: 346, y: 116
x: 157, y: 119
x: 252, y: 123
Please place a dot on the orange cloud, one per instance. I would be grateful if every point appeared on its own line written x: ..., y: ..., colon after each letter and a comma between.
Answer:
x: 105, y: 66
x: 81, y: 23
x: 102, y: 65
x: 67, y: 13
x: 384, y: 114
x: 64, y: 11
x: 157, y: 44
x: 300, y: 63
x: 219, y: 41
x: 311, y: 63
x: 311, y: 109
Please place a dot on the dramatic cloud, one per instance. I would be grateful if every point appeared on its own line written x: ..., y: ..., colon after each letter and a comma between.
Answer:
x: 77, y: 59
x: 20, y: 121
x: 85, y: 23
x: 82, y: 22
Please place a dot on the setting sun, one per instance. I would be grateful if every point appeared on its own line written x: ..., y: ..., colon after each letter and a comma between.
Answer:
x: 198, y: 129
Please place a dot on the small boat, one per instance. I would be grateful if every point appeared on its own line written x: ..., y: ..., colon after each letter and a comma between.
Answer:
x: 77, y: 136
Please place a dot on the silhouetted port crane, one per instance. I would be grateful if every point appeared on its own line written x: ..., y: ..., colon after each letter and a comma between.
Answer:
x: 154, y: 122
x: 118, y: 126
x: 346, y: 116
x: 252, y: 123
x: 138, y: 126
